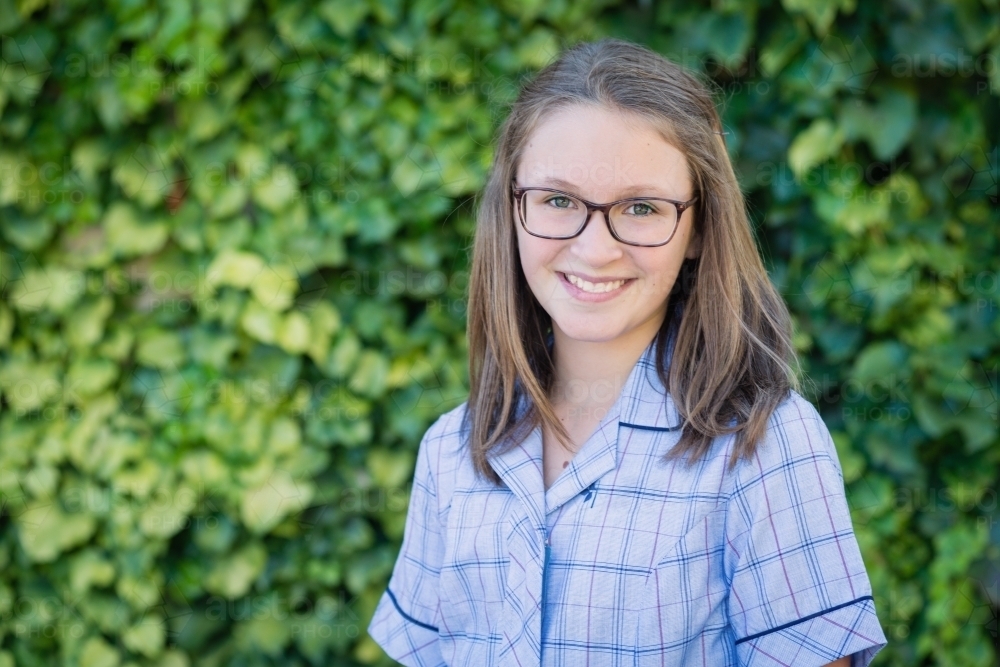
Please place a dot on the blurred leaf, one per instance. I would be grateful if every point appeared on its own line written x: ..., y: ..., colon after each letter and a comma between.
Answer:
x: 820, y: 141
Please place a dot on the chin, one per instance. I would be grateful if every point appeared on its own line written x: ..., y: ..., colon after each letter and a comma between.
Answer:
x: 590, y: 330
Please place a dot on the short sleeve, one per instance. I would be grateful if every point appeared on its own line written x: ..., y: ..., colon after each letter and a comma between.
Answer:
x: 404, y: 623
x: 799, y: 592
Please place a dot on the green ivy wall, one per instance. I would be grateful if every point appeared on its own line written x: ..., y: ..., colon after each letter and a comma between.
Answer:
x: 234, y: 259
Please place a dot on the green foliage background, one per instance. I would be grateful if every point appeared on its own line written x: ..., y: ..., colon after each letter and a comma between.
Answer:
x: 234, y: 259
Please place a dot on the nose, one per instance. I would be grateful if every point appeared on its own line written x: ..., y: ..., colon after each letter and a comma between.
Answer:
x: 595, y: 245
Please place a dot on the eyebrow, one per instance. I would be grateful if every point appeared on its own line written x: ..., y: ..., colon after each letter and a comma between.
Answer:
x: 627, y: 193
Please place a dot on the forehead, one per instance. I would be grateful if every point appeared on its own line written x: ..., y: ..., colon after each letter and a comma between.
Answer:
x: 602, y: 153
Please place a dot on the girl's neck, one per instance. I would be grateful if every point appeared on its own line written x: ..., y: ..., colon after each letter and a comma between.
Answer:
x: 593, y: 373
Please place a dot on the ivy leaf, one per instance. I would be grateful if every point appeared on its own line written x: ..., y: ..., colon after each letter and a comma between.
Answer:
x: 816, y: 144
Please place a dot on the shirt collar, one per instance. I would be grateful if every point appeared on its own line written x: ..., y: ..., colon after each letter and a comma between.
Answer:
x: 645, y: 401
x: 643, y: 404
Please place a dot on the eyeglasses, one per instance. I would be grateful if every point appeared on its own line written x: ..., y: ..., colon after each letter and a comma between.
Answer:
x: 638, y: 221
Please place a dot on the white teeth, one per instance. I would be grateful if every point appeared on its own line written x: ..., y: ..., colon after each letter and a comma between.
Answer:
x: 594, y: 288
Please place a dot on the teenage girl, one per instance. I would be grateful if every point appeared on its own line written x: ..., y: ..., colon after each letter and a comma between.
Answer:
x: 634, y: 479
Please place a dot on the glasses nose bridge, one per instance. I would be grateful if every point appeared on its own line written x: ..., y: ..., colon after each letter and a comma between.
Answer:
x: 604, y: 210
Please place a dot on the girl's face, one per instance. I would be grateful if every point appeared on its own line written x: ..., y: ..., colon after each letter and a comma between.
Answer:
x: 602, y: 156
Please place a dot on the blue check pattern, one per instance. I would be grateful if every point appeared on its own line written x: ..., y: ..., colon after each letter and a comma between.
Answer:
x: 629, y: 561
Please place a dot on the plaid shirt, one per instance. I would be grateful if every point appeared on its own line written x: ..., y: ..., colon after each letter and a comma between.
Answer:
x: 626, y: 560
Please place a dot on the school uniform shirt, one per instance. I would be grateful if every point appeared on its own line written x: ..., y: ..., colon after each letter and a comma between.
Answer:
x: 629, y: 561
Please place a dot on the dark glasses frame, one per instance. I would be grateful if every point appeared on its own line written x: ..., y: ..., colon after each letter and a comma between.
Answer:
x: 605, y: 210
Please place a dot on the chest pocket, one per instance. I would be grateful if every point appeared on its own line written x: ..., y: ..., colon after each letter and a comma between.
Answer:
x: 473, y: 576
x: 683, y: 616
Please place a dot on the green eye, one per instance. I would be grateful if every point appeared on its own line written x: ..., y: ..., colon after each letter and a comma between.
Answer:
x: 641, y: 209
x: 561, y: 202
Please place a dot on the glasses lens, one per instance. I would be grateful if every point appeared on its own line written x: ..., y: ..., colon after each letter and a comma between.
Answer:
x: 557, y: 215
x: 552, y: 214
x: 644, y: 221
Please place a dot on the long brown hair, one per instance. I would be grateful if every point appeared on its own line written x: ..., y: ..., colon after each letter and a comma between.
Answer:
x: 731, y: 359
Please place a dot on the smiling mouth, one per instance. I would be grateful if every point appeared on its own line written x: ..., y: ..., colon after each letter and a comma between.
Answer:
x: 594, y: 287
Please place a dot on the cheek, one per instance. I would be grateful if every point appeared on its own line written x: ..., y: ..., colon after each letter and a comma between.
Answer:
x: 534, y: 255
x: 529, y: 262
x: 660, y: 270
